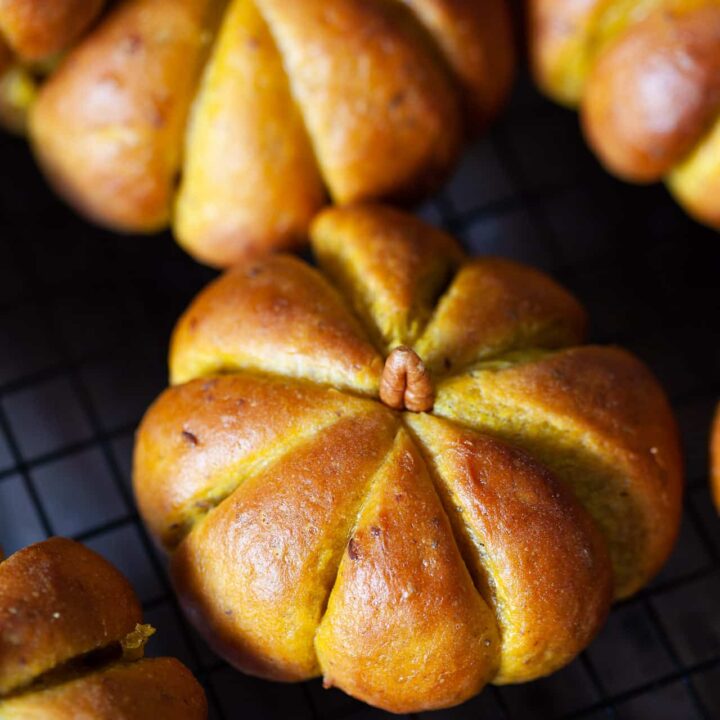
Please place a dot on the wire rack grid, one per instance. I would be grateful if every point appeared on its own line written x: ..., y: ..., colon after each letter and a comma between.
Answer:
x: 84, y: 323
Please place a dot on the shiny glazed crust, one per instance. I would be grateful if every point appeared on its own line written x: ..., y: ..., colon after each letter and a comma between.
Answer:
x: 299, y: 102
x: 70, y: 587
x: 108, y: 125
x: 150, y: 689
x: 646, y: 76
x: 65, y: 615
x: 408, y: 558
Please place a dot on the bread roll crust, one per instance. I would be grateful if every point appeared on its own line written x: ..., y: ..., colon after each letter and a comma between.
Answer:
x: 108, y: 125
x: 514, y: 511
x: 409, y: 558
x: 294, y: 323
x: 474, y: 39
x: 37, y: 29
x: 655, y: 93
x: 145, y: 690
x: 644, y: 74
x: 599, y: 420
x: 54, y: 600
x: 206, y: 436
x: 245, y: 133
x: 300, y: 102
x: 256, y: 572
x: 405, y: 627
x: 71, y: 643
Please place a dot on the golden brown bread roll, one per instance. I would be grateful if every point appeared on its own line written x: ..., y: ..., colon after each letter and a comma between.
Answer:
x: 37, y: 29
x: 317, y: 526
x: 71, y: 643
x: 646, y: 76
x: 144, y: 690
x: 263, y: 110
x: 32, y: 32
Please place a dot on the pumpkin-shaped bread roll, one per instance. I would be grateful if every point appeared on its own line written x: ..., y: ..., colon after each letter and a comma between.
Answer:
x: 72, y: 642
x: 236, y: 121
x: 646, y: 77
x: 401, y: 470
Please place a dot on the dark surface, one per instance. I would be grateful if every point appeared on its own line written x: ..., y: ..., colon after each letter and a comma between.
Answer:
x: 84, y: 323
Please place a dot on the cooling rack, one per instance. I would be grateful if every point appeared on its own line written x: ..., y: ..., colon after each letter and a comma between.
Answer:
x: 85, y: 318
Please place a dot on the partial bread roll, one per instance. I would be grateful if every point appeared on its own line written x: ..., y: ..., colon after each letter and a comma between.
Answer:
x: 33, y: 33
x: 646, y: 77
x: 37, y: 29
x: 401, y: 470
x: 236, y: 122
x: 72, y: 642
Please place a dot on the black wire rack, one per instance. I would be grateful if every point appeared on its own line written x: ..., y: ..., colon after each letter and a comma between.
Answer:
x: 85, y: 318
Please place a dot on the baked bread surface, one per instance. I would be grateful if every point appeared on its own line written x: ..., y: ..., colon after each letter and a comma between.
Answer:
x: 237, y: 121
x: 646, y: 77
x: 316, y: 528
x: 71, y: 643
x: 33, y: 33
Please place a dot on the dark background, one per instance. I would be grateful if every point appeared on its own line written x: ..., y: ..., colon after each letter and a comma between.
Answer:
x: 84, y: 323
